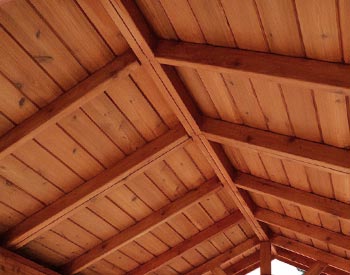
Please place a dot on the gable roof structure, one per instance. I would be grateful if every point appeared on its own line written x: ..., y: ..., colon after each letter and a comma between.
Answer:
x: 174, y: 137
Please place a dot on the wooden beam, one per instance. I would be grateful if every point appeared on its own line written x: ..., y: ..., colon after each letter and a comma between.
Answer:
x: 316, y: 269
x: 265, y: 258
x: 142, y: 40
x: 218, y: 271
x: 98, y: 186
x: 224, y: 257
x: 14, y: 264
x: 188, y: 244
x: 294, y: 259
x: 312, y: 252
x: 68, y: 102
x: 310, y: 153
x: 283, y: 69
x: 308, y: 230
x: 292, y: 195
x: 144, y: 226
x: 248, y: 269
x: 243, y: 264
x: 303, y: 262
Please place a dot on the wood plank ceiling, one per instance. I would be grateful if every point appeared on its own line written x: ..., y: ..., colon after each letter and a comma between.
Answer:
x: 174, y: 137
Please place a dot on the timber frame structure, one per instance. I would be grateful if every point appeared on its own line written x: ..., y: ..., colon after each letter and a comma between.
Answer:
x: 174, y: 137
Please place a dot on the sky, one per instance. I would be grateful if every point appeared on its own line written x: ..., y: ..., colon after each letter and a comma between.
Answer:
x: 279, y: 268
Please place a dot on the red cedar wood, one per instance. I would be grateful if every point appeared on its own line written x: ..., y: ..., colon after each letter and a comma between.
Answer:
x: 141, y: 39
x: 283, y: 69
x: 310, y: 153
x: 218, y: 271
x: 243, y: 264
x: 247, y: 270
x: 303, y: 262
x: 12, y: 263
x: 188, y: 244
x: 227, y: 255
x: 292, y: 195
x: 311, y: 252
x: 265, y: 258
x: 308, y: 230
x: 68, y: 102
x: 142, y: 227
x: 316, y: 269
x: 98, y: 186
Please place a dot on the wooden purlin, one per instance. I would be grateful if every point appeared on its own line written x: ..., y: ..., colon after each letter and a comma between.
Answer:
x: 267, y: 66
x: 67, y: 103
x: 243, y: 264
x: 311, y: 252
x: 322, y: 156
x: 303, y: 262
x: 14, y: 264
x: 316, y: 269
x: 141, y: 39
x: 188, y: 244
x: 142, y: 227
x: 232, y: 253
x: 65, y: 206
x: 293, y: 195
x: 300, y: 227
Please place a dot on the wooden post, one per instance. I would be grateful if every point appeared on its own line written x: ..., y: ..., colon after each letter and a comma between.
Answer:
x: 265, y: 258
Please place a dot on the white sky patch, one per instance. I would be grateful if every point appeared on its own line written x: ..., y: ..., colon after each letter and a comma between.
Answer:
x: 279, y: 268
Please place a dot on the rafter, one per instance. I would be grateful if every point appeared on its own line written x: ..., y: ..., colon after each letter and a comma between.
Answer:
x: 188, y: 244
x: 283, y: 69
x: 218, y: 271
x: 292, y: 195
x: 303, y: 262
x: 309, y: 153
x: 247, y: 270
x: 265, y: 258
x: 224, y: 257
x: 142, y: 40
x: 316, y: 269
x: 14, y: 264
x: 98, y: 186
x: 308, y: 230
x: 312, y: 252
x: 144, y: 226
x: 243, y: 264
x: 68, y: 102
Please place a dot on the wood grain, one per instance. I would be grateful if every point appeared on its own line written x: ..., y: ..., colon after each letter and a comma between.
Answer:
x: 96, y: 187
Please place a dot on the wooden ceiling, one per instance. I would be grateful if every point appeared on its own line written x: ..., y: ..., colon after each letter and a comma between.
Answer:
x: 174, y: 136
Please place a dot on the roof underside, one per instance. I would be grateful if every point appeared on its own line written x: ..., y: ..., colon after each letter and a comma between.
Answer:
x: 172, y: 137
